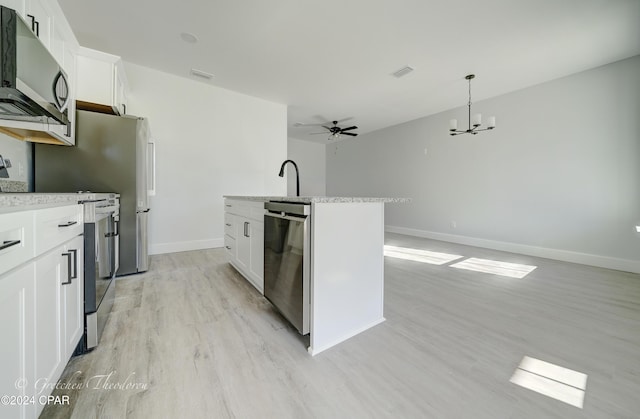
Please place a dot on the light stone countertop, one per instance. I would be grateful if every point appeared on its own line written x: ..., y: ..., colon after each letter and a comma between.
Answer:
x: 322, y: 199
x: 10, y: 202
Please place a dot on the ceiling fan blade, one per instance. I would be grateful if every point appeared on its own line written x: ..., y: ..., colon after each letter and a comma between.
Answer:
x: 353, y: 134
x: 344, y: 119
x: 347, y: 129
x: 303, y: 124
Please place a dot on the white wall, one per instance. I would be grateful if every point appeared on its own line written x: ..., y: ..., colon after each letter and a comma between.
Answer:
x: 311, y: 160
x: 559, y: 177
x: 210, y: 142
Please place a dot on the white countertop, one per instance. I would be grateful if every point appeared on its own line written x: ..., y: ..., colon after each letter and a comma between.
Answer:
x: 10, y: 202
x: 322, y: 199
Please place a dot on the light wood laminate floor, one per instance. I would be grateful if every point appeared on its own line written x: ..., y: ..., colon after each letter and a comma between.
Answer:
x: 203, y: 343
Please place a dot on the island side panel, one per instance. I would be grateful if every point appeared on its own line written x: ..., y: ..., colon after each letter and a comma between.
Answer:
x: 347, y: 271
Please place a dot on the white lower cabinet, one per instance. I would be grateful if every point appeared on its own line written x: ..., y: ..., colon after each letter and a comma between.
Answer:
x: 256, y: 253
x: 72, y: 298
x: 48, y: 328
x: 244, y: 239
x: 42, y: 309
x: 17, y: 348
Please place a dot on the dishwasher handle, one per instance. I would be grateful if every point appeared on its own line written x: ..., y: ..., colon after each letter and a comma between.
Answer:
x: 285, y: 216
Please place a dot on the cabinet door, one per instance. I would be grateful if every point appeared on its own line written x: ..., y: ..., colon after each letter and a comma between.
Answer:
x: 72, y: 294
x: 69, y: 65
x: 42, y: 20
x: 119, y: 89
x: 256, y: 268
x: 16, y: 329
x: 50, y: 271
x: 17, y: 5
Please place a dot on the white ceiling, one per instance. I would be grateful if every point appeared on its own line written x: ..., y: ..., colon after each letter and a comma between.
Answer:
x: 333, y: 59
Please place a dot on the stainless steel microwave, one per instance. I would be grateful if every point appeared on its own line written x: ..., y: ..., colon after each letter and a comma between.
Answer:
x: 34, y: 91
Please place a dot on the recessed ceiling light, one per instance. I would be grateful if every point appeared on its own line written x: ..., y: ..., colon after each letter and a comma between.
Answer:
x: 402, y: 72
x: 189, y: 37
x: 201, y: 74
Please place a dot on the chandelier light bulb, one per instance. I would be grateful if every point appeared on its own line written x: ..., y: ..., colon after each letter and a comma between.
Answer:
x: 453, y: 125
x: 477, y: 120
x: 491, y: 122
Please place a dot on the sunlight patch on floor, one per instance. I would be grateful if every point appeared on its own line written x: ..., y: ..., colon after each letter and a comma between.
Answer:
x: 419, y: 255
x: 554, y: 381
x: 513, y: 270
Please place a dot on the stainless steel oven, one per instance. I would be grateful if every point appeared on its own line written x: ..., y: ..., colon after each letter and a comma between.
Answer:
x: 286, y: 261
x: 101, y: 261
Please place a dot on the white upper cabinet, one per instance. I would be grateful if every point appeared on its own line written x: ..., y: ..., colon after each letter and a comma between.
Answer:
x: 40, y: 19
x: 46, y: 19
x: 17, y: 5
x: 101, y: 81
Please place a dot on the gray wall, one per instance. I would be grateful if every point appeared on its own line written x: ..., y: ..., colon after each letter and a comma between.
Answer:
x: 559, y: 176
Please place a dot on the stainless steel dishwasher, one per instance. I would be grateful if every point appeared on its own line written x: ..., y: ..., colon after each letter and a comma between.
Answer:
x: 286, y: 261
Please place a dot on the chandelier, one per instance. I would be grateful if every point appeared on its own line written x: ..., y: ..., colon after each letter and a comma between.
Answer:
x: 477, y: 118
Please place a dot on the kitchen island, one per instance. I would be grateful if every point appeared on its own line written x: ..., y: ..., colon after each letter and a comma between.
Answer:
x: 346, y: 261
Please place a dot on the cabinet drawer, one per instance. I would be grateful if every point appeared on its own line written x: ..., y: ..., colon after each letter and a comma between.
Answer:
x: 236, y: 207
x: 54, y: 226
x: 230, y: 246
x: 16, y: 239
x: 229, y: 225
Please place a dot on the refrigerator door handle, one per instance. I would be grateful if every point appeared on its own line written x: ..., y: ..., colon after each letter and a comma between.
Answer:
x: 152, y: 166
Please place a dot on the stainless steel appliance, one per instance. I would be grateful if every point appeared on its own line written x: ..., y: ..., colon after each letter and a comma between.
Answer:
x: 34, y: 92
x: 101, y: 262
x: 286, y: 261
x: 111, y: 154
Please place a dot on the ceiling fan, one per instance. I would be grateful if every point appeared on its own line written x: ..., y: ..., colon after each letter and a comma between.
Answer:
x: 334, y: 130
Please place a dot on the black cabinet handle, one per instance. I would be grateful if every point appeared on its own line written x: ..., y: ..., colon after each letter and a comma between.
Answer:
x: 33, y: 22
x: 8, y: 243
x: 69, y: 268
x: 69, y: 224
x: 228, y: 247
x: 124, y: 109
x: 37, y: 29
x: 227, y: 224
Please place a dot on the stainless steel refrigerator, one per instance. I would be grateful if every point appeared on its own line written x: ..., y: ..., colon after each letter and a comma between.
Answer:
x: 111, y: 155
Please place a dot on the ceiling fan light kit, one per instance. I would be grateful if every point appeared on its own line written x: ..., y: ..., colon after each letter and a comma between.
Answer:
x: 335, y: 132
x: 475, y: 122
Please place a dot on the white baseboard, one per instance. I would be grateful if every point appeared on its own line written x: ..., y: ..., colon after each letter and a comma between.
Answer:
x: 161, y: 248
x: 556, y: 254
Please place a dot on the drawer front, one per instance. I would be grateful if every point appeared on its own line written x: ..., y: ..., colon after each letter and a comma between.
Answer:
x: 230, y: 246
x: 16, y: 239
x: 236, y: 207
x: 54, y: 226
x: 230, y: 225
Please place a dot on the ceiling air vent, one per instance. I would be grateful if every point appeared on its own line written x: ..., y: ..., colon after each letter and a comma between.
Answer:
x: 201, y: 74
x: 402, y: 72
